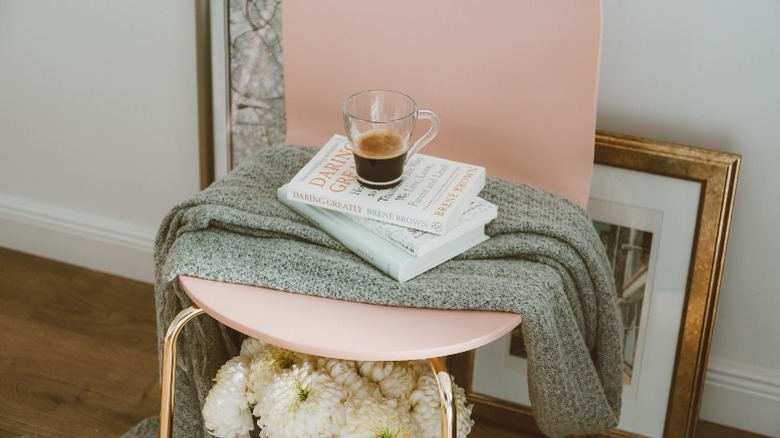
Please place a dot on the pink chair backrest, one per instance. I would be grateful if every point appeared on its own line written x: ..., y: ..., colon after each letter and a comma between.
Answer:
x: 514, y: 82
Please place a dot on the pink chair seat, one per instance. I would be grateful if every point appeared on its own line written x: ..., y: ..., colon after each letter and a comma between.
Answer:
x: 346, y: 330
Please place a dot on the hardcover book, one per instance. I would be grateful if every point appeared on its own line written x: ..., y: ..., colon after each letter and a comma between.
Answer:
x: 386, y: 256
x: 432, y: 196
x: 418, y: 243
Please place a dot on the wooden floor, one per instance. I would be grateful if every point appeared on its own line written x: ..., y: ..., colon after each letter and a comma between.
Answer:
x: 78, y: 355
x: 78, y: 352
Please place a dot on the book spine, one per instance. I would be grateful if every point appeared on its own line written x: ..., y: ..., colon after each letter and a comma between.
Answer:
x: 471, y: 182
x: 417, y: 221
x: 401, y: 237
x: 383, y: 255
x: 478, y: 213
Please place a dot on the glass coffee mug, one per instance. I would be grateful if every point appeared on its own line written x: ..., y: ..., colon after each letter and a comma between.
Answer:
x: 379, y: 124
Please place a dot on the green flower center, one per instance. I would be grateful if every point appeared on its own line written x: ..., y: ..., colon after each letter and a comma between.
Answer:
x: 285, y: 359
x: 385, y: 433
x: 303, y: 393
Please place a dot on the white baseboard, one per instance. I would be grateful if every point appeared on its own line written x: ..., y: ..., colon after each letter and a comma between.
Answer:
x: 735, y: 394
x: 86, y: 240
x: 743, y: 397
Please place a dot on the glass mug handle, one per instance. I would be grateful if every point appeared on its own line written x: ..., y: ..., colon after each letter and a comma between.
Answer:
x: 428, y: 136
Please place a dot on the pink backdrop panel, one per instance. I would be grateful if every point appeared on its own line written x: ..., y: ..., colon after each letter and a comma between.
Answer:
x: 513, y: 81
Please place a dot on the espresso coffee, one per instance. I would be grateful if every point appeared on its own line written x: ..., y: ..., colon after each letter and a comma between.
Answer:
x: 380, y: 156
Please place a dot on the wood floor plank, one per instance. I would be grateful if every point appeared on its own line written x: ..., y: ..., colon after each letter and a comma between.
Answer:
x: 78, y: 354
x: 89, y: 387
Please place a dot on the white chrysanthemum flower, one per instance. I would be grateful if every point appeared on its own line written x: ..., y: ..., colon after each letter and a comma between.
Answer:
x: 267, y: 364
x: 426, y: 408
x: 251, y: 347
x: 343, y: 371
x: 378, y: 418
x: 420, y: 366
x: 376, y: 371
x: 401, y: 380
x: 226, y: 412
x: 297, y: 395
x: 300, y: 403
x: 346, y: 374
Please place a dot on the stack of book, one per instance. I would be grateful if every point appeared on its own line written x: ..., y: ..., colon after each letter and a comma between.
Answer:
x: 433, y: 215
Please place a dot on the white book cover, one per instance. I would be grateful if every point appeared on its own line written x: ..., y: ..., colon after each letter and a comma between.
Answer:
x: 387, y: 257
x: 418, y: 243
x: 432, y: 196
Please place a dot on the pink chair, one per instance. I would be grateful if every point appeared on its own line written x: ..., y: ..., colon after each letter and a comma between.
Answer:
x: 514, y: 83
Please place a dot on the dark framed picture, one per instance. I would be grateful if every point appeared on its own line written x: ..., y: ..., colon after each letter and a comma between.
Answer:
x: 663, y: 213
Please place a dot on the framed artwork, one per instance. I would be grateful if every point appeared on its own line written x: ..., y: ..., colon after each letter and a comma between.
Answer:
x: 240, y: 65
x: 663, y: 213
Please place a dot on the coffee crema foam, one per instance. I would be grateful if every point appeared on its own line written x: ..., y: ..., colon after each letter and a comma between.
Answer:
x: 380, y: 145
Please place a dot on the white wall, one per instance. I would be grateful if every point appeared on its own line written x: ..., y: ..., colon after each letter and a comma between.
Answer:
x: 98, y: 134
x: 98, y: 139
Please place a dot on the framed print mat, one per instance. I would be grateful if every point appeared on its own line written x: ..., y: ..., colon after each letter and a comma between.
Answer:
x: 663, y: 213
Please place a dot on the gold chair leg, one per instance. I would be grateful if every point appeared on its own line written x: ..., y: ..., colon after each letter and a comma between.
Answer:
x: 449, y: 422
x: 169, y: 367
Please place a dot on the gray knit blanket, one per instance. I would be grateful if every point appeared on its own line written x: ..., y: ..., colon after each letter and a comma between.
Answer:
x: 543, y: 260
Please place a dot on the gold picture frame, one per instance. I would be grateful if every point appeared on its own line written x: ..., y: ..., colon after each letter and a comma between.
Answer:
x: 711, y: 177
